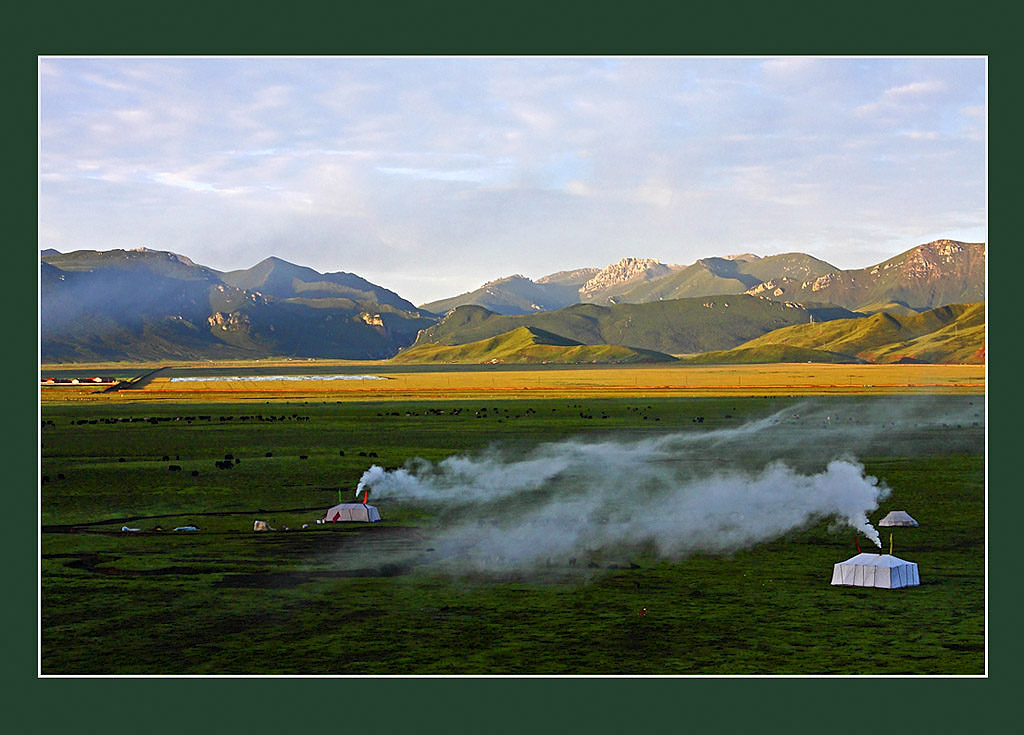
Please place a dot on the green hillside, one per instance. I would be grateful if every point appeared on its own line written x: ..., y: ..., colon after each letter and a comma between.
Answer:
x: 950, y: 344
x: 892, y: 307
x: 527, y: 345
x: 953, y: 333
x: 699, y: 279
x: 795, y: 266
x: 680, y: 326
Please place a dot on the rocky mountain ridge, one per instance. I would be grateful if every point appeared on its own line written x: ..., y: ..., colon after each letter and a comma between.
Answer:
x: 616, y: 276
x: 925, y: 277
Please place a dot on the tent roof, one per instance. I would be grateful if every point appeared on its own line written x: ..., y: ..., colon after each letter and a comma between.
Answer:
x: 897, y: 517
x: 876, y: 560
x: 349, y: 506
x: 862, y: 558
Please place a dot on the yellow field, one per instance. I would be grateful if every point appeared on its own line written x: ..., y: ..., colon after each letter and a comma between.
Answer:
x: 653, y: 381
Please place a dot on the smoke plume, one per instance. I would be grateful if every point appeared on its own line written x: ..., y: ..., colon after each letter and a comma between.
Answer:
x: 674, y: 494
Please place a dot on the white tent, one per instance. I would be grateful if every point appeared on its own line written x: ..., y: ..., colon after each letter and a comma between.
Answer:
x: 875, y: 570
x: 352, y: 512
x: 897, y: 518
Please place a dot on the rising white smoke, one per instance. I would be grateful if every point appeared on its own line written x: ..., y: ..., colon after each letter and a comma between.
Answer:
x: 674, y: 494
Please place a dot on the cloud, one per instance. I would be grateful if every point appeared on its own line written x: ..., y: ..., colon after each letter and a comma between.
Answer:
x: 791, y: 66
x: 903, y: 98
x: 656, y: 193
x: 109, y: 83
x: 50, y: 71
x: 914, y: 90
x: 517, y: 164
x: 921, y: 134
x: 485, y: 172
x: 184, y: 181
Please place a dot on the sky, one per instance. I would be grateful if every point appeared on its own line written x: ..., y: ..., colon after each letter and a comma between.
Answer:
x: 432, y: 175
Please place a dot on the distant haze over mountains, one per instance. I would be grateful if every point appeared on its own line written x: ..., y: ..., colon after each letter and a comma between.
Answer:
x: 150, y: 305
x: 154, y: 305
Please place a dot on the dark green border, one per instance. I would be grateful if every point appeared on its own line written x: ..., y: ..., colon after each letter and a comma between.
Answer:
x: 568, y: 27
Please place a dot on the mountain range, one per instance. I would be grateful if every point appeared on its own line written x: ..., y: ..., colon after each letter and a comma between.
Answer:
x: 154, y: 305
x: 930, y: 275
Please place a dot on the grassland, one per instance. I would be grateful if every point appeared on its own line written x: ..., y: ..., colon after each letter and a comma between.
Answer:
x: 419, y: 382
x: 335, y: 600
x: 949, y: 334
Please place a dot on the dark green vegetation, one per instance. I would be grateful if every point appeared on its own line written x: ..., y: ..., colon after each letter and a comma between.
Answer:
x: 148, y: 305
x: 949, y: 334
x: 673, y: 327
x: 528, y: 345
x: 368, y: 599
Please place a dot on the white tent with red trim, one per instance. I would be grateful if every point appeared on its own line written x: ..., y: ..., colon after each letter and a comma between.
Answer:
x: 359, y: 512
x: 875, y: 570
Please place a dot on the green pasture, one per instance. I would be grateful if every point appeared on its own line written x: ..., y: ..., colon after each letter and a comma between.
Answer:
x: 334, y: 600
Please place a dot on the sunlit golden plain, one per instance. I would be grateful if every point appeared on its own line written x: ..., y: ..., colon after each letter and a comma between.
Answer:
x: 618, y: 381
